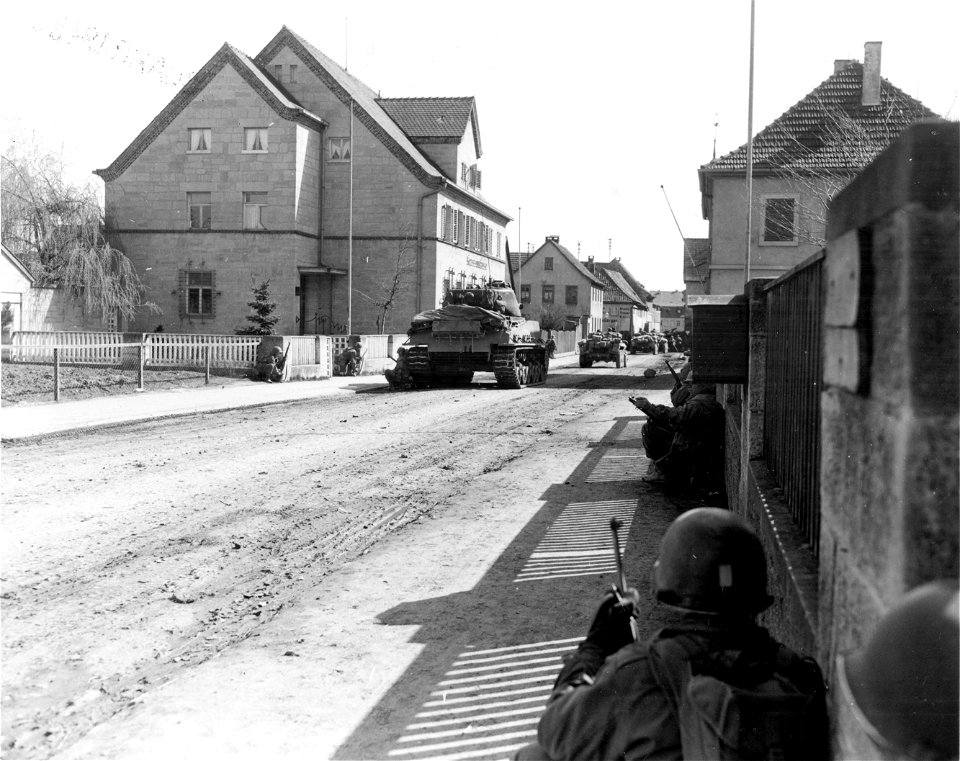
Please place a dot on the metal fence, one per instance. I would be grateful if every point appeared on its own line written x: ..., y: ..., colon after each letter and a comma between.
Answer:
x: 792, y: 390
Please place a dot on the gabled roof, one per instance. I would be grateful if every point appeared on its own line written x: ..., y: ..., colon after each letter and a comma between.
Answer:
x: 227, y: 55
x: 17, y: 264
x: 805, y: 137
x: 577, y: 265
x: 621, y: 290
x: 434, y: 120
x: 616, y: 264
x: 369, y: 111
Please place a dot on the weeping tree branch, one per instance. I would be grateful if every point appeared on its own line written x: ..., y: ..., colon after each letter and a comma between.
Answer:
x: 57, y: 230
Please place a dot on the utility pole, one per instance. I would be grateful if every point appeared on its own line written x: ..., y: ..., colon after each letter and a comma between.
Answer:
x: 350, y: 235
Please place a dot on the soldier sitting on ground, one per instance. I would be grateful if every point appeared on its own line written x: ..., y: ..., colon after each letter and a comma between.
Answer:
x: 617, y: 698
x: 686, y: 441
x: 270, y: 369
x: 350, y: 359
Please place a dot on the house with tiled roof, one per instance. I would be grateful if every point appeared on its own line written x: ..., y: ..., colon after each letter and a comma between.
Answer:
x: 673, y: 307
x: 553, y: 283
x: 626, y: 303
x: 359, y: 210
x: 696, y: 265
x: 800, y: 161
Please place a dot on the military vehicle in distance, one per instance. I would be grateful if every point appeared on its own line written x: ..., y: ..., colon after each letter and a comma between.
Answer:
x: 476, y: 330
x: 603, y: 347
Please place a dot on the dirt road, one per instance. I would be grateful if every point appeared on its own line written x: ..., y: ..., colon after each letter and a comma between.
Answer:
x: 132, y: 555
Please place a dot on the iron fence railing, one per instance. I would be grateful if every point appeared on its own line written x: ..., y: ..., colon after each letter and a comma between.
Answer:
x: 792, y: 390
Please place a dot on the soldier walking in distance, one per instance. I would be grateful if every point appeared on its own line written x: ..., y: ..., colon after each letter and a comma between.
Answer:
x: 664, y: 698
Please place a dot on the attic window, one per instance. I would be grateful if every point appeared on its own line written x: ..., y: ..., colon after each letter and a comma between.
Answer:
x: 339, y: 148
x: 278, y: 72
x: 293, y: 73
x: 255, y: 140
x: 198, y: 139
x: 548, y: 262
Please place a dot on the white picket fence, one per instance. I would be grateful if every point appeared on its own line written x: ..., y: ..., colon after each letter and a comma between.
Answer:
x: 316, y: 356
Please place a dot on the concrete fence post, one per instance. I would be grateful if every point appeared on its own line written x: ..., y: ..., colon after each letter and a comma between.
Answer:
x: 206, y: 364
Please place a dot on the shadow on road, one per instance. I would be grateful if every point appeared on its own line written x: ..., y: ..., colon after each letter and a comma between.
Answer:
x: 491, y: 654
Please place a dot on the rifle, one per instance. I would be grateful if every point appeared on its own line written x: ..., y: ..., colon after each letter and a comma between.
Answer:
x: 283, y: 360
x: 620, y: 592
x: 673, y: 372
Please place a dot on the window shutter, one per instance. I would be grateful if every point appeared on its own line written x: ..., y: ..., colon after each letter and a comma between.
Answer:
x: 479, y: 174
x: 460, y: 223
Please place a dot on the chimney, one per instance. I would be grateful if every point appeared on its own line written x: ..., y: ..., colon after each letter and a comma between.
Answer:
x: 839, y: 64
x: 870, y: 95
x: 554, y: 238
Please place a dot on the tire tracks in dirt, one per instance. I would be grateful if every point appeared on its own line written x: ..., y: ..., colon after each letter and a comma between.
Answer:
x: 100, y: 611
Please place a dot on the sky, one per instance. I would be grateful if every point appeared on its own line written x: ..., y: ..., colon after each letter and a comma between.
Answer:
x: 594, y: 117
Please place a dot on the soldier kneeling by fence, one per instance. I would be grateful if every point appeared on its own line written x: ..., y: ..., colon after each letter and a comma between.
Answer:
x: 271, y: 362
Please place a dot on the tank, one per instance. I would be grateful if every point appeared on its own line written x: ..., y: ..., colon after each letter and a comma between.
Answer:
x: 476, y: 330
x: 603, y: 347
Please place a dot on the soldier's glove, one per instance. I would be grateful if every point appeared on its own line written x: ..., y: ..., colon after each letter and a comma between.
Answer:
x: 612, y: 628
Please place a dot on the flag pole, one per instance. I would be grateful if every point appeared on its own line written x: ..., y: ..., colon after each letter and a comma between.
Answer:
x: 746, y: 268
x: 350, y: 235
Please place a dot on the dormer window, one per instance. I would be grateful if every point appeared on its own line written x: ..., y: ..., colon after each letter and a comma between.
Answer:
x: 255, y: 140
x: 198, y: 139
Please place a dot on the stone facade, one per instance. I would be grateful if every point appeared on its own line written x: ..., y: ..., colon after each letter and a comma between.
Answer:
x: 350, y: 228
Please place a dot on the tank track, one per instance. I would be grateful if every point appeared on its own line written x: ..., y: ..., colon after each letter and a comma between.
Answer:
x: 519, y: 368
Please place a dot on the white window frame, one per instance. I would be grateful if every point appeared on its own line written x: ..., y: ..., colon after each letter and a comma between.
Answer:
x: 204, y: 133
x: 795, y: 241
x: 250, y: 136
x: 339, y: 150
x: 254, y: 203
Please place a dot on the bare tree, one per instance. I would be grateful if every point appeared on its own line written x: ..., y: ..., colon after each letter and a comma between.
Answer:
x: 552, y: 317
x: 402, y: 260
x: 57, y: 230
x: 824, y: 160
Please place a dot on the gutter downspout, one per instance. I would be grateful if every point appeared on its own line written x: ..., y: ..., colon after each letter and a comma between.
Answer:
x: 443, y: 184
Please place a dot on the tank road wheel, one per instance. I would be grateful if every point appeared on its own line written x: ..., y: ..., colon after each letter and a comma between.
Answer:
x: 585, y: 361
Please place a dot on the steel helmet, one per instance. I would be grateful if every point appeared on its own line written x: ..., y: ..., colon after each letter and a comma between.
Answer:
x: 903, y: 683
x: 711, y: 561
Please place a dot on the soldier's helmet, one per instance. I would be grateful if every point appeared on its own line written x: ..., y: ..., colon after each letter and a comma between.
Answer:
x: 711, y: 561
x: 902, y: 685
x: 276, y: 351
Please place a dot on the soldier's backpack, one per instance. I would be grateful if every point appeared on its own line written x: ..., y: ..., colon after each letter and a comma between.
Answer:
x: 739, y: 704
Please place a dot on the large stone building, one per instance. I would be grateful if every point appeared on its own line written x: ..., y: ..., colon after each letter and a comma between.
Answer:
x: 358, y: 209
x: 800, y: 161
x: 554, y: 283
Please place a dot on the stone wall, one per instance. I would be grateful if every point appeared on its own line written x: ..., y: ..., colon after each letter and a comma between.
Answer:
x: 890, y: 434
x: 889, y: 403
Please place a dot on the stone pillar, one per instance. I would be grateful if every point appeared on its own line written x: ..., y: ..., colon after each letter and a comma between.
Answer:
x: 890, y: 436
x: 751, y: 411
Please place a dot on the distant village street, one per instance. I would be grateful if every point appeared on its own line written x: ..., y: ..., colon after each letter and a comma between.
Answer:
x: 164, y: 544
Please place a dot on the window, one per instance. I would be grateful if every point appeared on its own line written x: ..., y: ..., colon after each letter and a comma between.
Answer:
x: 198, y: 206
x: 463, y: 172
x: 278, y: 72
x: 339, y: 148
x: 254, y: 205
x: 255, y: 140
x: 462, y: 280
x: 293, y: 73
x: 199, y: 139
x: 466, y: 231
x: 499, y: 241
x: 548, y: 262
x: 525, y: 293
x: 547, y: 295
x: 572, y: 294
x: 780, y: 220
x: 199, y: 294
